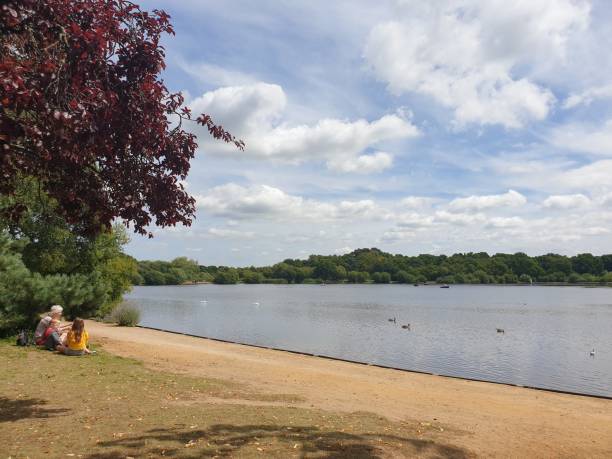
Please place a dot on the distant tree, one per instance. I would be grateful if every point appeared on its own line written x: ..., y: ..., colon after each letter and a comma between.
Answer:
x: 381, y: 278
x: 85, y: 112
x: 227, y: 276
x: 552, y: 263
x: 606, y: 261
x: 357, y: 277
x: 252, y: 277
x: 404, y: 277
x: 585, y: 263
x: 325, y: 269
x: 284, y: 271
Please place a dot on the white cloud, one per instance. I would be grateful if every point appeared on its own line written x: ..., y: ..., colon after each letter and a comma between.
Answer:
x: 342, y: 250
x: 468, y: 54
x: 593, y: 175
x: 255, y: 112
x: 510, y: 199
x: 414, y: 220
x: 242, y: 109
x: 364, y: 164
x: 595, y: 140
x: 230, y: 233
x: 587, y: 96
x: 263, y: 201
x: 396, y: 235
x: 459, y: 218
x: 416, y: 202
x: 505, y: 222
x: 567, y: 201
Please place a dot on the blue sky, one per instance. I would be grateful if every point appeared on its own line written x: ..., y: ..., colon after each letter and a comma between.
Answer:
x: 415, y: 127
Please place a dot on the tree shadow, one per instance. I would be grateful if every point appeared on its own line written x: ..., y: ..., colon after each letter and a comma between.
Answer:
x: 26, y: 408
x: 224, y: 440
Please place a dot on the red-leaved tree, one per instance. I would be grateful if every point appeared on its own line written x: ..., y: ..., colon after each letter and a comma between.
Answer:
x: 84, y: 111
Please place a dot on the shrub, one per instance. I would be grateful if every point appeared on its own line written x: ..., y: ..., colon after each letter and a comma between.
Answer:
x: 381, y: 277
x: 126, y: 316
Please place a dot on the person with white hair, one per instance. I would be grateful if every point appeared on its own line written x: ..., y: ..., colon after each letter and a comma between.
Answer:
x: 53, y: 340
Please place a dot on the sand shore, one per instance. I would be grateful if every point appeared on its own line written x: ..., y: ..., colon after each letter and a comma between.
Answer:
x: 489, y: 420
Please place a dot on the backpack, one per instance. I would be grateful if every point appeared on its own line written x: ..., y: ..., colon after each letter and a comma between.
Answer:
x: 23, y: 339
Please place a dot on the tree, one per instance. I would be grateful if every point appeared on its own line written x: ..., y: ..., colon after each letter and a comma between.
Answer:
x: 404, y: 277
x: 358, y: 277
x: 85, y: 112
x: 585, y: 263
x: 252, y: 277
x: 227, y: 276
x: 325, y: 269
x: 381, y: 278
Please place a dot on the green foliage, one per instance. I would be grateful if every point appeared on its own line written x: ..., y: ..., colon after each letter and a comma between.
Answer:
x: 381, y: 277
x: 252, y: 277
x: 45, y: 260
x: 126, y: 315
x: 358, y: 277
x: 227, y: 276
x: 179, y: 271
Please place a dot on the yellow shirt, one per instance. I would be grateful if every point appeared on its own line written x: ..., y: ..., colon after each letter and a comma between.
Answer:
x: 77, y: 345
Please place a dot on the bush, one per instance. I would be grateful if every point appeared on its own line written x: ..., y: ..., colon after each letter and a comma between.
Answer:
x: 381, y: 277
x: 227, y: 276
x: 126, y: 316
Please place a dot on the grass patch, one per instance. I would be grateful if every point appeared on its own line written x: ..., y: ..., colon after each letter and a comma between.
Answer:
x: 104, y: 406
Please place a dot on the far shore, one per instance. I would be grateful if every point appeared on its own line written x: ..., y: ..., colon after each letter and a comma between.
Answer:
x: 488, y: 420
x: 427, y: 284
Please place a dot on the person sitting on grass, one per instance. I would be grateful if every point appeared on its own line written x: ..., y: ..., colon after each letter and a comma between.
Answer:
x: 77, y: 339
x: 50, y: 339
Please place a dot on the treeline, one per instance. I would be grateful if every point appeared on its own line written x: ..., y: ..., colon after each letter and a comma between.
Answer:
x: 373, y: 265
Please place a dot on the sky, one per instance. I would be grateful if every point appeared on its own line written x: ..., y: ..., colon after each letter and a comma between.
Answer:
x: 415, y: 127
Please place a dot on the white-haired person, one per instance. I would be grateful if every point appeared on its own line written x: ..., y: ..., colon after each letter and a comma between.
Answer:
x: 54, y: 339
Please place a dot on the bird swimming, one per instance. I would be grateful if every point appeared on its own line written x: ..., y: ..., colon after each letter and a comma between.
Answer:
x: 500, y: 330
x: 592, y: 353
x: 256, y: 303
x: 392, y: 320
x: 406, y: 327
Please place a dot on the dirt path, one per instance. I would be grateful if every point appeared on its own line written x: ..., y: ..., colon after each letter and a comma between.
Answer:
x: 489, y: 419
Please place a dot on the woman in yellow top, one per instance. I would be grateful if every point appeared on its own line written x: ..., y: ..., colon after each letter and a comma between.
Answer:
x: 77, y: 339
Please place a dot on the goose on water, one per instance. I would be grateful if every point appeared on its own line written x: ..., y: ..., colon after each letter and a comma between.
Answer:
x: 500, y: 330
x: 406, y: 327
x: 392, y: 320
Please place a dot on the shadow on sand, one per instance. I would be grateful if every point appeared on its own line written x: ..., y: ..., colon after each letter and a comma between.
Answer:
x: 223, y: 440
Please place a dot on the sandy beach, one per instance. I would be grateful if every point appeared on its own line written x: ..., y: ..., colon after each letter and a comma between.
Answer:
x: 488, y: 420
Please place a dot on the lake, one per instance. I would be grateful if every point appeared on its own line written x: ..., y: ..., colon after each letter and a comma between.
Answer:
x: 549, y: 332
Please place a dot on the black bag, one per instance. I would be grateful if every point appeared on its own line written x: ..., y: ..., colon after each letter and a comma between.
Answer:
x: 23, y: 339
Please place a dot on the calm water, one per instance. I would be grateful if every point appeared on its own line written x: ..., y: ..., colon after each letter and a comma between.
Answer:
x: 549, y: 331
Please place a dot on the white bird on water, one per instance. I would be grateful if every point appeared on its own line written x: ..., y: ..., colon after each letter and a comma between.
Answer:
x: 255, y: 303
x: 203, y: 301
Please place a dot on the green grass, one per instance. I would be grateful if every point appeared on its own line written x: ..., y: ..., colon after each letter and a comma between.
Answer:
x: 104, y: 406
